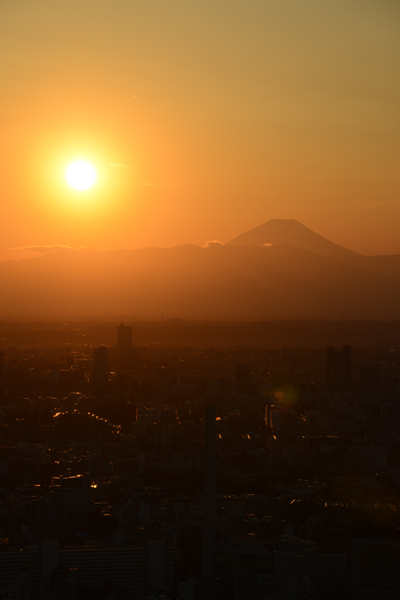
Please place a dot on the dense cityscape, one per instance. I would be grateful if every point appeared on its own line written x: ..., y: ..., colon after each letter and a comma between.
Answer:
x: 200, y: 300
x: 183, y: 460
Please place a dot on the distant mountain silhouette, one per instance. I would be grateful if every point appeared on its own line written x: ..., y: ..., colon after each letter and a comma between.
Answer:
x: 280, y: 281
x: 290, y: 231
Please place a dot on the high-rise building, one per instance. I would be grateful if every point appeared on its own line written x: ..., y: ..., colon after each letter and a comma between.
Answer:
x: 375, y: 567
x: 150, y: 562
x: 19, y: 586
x: 338, y: 373
x: 100, y: 369
x: 124, y: 339
x: 49, y: 560
x: 186, y: 589
x: 64, y: 583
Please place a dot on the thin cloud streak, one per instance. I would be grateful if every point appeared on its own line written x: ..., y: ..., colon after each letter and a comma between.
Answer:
x: 211, y: 243
x: 44, y: 249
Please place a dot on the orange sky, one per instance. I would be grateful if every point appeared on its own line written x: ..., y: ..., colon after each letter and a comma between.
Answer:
x: 203, y: 119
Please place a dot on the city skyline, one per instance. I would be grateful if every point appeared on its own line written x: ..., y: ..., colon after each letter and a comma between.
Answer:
x: 213, y: 458
x: 200, y: 300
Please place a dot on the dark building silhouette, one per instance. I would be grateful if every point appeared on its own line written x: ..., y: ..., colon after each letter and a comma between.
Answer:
x: 338, y: 374
x: 100, y: 369
x: 124, y: 339
x: 64, y: 583
x: 209, y: 506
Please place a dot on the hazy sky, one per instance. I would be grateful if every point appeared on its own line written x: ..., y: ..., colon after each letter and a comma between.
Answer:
x: 204, y: 118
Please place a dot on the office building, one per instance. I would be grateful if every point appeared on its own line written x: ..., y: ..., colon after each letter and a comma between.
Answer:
x: 375, y: 568
x: 148, y: 563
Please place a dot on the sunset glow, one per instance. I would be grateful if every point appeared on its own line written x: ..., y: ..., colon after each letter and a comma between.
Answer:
x: 81, y: 175
x: 200, y: 299
x: 192, y: 143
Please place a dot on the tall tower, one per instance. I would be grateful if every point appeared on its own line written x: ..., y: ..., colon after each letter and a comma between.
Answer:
x: 100, y: 369
x: 124, y: 339
x: 209, y: 506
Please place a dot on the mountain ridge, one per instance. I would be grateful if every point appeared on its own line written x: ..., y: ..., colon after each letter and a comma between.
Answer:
x: 278, y: 281
x: 275, y: 281
x: 293, y: 232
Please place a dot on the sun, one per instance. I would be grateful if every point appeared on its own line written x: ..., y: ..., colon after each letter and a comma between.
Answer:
x: 81, y: 175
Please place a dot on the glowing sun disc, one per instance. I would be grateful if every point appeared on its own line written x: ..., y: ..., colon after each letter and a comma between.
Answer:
x: 80, y: 175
